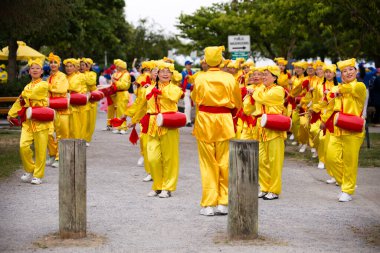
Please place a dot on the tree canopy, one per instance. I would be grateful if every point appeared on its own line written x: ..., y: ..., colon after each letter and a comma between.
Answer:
x: 291, y: 28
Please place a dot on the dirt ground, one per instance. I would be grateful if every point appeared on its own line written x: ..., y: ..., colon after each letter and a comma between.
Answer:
x: 306, y: 218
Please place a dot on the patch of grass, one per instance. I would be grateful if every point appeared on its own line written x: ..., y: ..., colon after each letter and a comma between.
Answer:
x: 367, y: 157
x: 9, y: 152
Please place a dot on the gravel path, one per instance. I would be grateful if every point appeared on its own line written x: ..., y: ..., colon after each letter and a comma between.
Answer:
x: 306, y: 218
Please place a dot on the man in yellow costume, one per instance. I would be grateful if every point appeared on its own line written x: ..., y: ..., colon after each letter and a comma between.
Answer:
x: 35, y: 94
x: 90, y: 77
x: 270, y: 100
x: 344, y: 144
x: 58, y: 86
x: 121, y: 80
x: 216, y: 94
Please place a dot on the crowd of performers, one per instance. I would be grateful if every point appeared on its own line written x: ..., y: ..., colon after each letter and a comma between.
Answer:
x: 233, y: 99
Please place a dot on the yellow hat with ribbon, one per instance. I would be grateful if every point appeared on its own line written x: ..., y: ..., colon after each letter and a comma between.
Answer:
x: 300, y: 64
x: 214, y: 56
x: 248, y: 64
x: 275, y: 70
x: 88, y: 61
x: 280, y: 60
x: 233, y: 64
x: 52, y: 57
x: 331, y: 67
x: 168, y: 60
x: 347, y: 63
x: 2, y: 66
x: 319, y: 63
x: 166, y: 65
x: 72, y: 61
x: 37, y: 61
x: 120, y: 63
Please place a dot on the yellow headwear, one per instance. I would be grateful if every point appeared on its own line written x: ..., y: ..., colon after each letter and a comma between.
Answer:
x: 213, y: 55
x: 53, y: 57
x: 177, y: 77
x: 148, y: 65
x: 275, y: 70
x: 202, y: 61
x: 311, y: 64
x: 88, y: 61
x: 253, y: 69
x: 165, y: 65
x: 240, y: 60
x: 120, y: 63
x: 168, y: 60
x: 331, y: 67
x: 37, y: 61
x: 72, y: 61
x: 347, y: 63
x: 281, y: 60
x: 248, y: 64
x: 300, y: 64
x: 2, y: 66
x: 233, y: 64
x: 319, y: 63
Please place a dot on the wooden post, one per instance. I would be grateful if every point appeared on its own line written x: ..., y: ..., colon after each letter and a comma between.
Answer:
x: 243, y: 190
x: 72, y: 189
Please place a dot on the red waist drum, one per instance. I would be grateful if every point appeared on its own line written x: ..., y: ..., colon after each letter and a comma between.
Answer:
x: 171, y: 120
x: 276, y: 122
x: 59, y: 102
x: 78, y: 99
x: 349, y: 122
x: 96, y: 95
x: 40, y: 113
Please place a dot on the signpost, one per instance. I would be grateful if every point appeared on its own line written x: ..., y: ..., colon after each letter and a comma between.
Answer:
x: 239, y: 46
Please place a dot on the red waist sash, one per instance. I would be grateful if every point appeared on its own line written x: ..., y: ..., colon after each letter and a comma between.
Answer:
x: 214, y: 109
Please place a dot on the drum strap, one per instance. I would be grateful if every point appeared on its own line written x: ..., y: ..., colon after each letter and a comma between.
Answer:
x: 214, y: 109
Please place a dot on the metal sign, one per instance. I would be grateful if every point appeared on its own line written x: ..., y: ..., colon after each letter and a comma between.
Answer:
x: 235, y: 55
x: 239, y: 43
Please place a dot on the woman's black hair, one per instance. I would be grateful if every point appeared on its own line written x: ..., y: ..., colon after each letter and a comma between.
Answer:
x: 361, y: 71
x: 334, y: 80
x: 275, y: 81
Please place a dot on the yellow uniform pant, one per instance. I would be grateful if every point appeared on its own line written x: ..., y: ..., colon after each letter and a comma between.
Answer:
x: 144, y: 151
x: 40, y: 140
x: 271, y: 160
x: 295, y: 124
x: 314, y: 135
x: 249, y: 133
x: 239, y: 129
x: 213, y: 163
x: 62, y: 131
x: 111, y: 110
x: 121, y: 106
x: 84, y: 113
x: 91, y: 122
x: 326, y: 142
x: 75, y: 125
x: 343, y: 156
x: 163, y: 158
x: 303, y: 131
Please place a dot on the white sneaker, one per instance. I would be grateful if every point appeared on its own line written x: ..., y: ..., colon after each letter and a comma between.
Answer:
x: 262, y: 194
x: 331, y: 181
x: 321, y: 166
x: 140, y: 162
x: 123, y: 132
x: 270, y: 196
x: 291, y: 137
x: 55, y: 164
x: 152, y: 193
x: 221, y: 210
x: 345, y: 197
x: 147, y: 178
x: 294, y: 143
x: 207, y: 211
x: 87, y: 144
x: 107, y: 128
x: 36, y: 180
x: 164, y: 194
x: 26, y: 177
x: 303, y: 148
x: 116, y: 131
x: 314, y: 153
x: 50, y: 160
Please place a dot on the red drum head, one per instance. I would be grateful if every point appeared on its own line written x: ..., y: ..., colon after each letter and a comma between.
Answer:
x: 59, y: 103
x: 171, y: 120
x: 349, y: 122
x: 40, y: 113
x: 96, y: 95
x: 78, y: 99
x: 276, y: 122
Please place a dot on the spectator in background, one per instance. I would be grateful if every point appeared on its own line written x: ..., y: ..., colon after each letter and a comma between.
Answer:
x: 375, y: 97
x: 102, y: 79
x: 365, y: 75
x: 186, y: 87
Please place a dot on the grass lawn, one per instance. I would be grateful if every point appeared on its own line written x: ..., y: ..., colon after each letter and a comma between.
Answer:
x: 367, y: 158
x: 9, y: 152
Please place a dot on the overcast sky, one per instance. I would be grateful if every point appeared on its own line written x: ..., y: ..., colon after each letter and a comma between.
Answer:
x: 163, y: 12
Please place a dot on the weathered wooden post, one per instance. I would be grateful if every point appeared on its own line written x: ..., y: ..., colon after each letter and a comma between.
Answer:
x: 72, y: 189
x: 243, y: 190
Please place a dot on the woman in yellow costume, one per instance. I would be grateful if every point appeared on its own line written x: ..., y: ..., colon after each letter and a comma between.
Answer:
x: 326, y: 105
x: 35, y: 94
x: 91, y: 107
x: 254, y: 81
x: 294, y: 97
x: 215, y: 94
x: 163, y: 143
x: 344, y: 145
x: 138, y: 111
x: 270, y: 100
x: 77, y: 84
x: 121, y: 80
x: 58, y: 86
x: 285, y: 77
